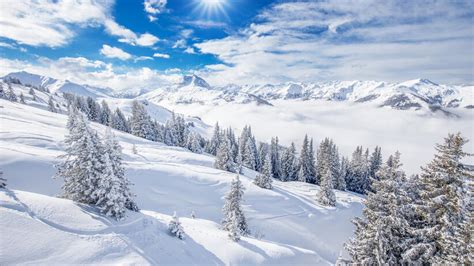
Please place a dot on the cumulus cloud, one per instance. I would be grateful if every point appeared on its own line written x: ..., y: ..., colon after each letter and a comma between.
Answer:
x: 154, y: 7
x: 55, y: 23
x: 114, y: 52
x: 166, y: 56
x: 327, y: 40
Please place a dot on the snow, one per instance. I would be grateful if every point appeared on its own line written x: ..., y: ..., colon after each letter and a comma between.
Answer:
x: 288, y: 225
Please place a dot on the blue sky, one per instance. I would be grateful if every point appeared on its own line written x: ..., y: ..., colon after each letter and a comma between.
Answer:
x: 122, y: 44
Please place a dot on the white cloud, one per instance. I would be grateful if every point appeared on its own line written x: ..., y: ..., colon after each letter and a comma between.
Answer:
x: 190, y: 50
x: 327, y: 40
x: 180, y: 44
x: 55, y: 23
x: 92, y: 72
x: 114, y: 52
x: 128, y: 36
x: 161, y: 55
x: 143, y: 58
x: 154, y: 7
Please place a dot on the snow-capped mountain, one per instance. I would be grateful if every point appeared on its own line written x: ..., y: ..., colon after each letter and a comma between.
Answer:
x: 414, y: 94
x: 57, y: 85
x: 195, y: 90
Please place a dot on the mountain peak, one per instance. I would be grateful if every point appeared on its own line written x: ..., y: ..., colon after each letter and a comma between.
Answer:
x: 195, y: 81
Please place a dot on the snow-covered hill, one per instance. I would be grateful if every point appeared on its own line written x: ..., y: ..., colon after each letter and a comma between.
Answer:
x: 57, y: 85
x: 288, y: 226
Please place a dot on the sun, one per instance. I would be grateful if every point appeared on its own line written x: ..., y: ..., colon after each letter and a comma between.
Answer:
x: 211, y: 8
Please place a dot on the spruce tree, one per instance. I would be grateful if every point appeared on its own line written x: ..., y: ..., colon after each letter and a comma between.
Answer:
x: 326, y: 194
x: 381, y: 236
x: 264, y: 179
x: 22, y: 98
x: 224, y: 157
x: 234, y: 219
x: 82, y: 166
x: 213, y: 144
x: 444, y: 191
x: 51, y: 106
x: 289, y: 167
x: 175, y: 228
x: 105, y: 114
x: 3, y: 181
x: 275, y: 158
x: 140, y: 122
x: 11, y: 96
x: 119, y: 121
x: 305, y: 163
x: 192, y: 143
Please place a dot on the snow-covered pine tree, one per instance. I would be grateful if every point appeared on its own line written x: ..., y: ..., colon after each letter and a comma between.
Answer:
x: 32, y: 92
x: 382, y: 235
x: 343, y: 173
x: 224, y: 157
x: 93, y: 109
x: 105, y: 114
x: 234, y: 146
x: 262, y: 154
x: 375, y: 162
x: 140, y: 122
x: 82, y: 166
x: 51, y: 106
x: 213, y: 144
x: 264, y: 179
x: 328, y: 157
x: 11, y: 96
x: 193, y: 143
x: 22, y: 98
x: 232, y: 210
x: 114, y: 151
x: 119, y: 121
x: 326, y: 194
x: 358, y: 179
x: 306, y: 166
x: 289, y: 167
x: 443, y: 184
x: 312, y: 164
x: 275, y: 158
x: 3, y: 181
x: 234, y: 231
x: 3, y: 94
x: 250, y: 158
x: 175, y: 228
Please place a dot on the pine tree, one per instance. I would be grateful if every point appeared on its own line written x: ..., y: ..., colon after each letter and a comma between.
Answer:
x: 140, y: 122
x: 113, y: 150
x: 3, y: 181
x: 192, y: 143
x: 93, y: 109
x: 289, y: 167
x: 213, y: 144
x: 326, y: 195
x: 175, y: 228
x: 32, y: 92
x: 22, y: 98
x: 343, y: 173
x: 224, y: 157
x: 444, y: 189
x: 119, y: 121
x: 306, y: 165
x: 358, y: 180
x: 234, y: 231
x: 262, y: 154
x: 312, y: 164
x: 51, y: 106
x: 381, y: 236
x: 275, y: 158
x: 234, y: 146
x: 11, y: 96
x: 105, y: 114
x: 234, y: 218
x: 83, y: 164
x: 264, y: 179
x: 3, y: 94
x: 247, y: 148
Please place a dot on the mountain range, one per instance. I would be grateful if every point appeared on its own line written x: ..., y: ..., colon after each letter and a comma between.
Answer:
x: 413, y: 94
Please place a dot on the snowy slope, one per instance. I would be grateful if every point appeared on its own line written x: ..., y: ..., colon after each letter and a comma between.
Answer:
x: 57, y: 85
x: 288, y: 226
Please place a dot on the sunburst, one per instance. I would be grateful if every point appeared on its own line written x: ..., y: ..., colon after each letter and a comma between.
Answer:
x: 211, y: 8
